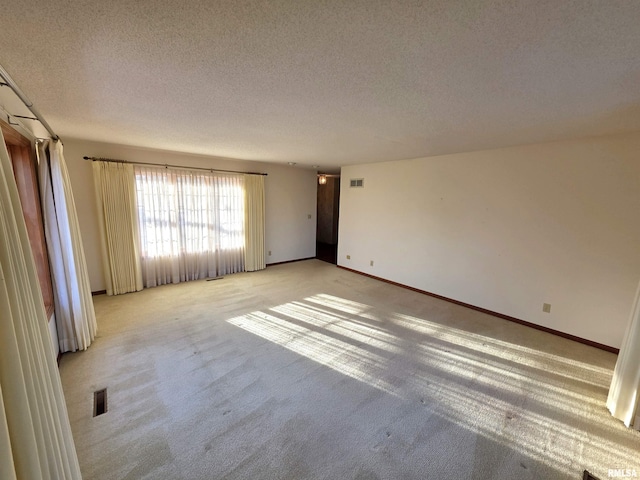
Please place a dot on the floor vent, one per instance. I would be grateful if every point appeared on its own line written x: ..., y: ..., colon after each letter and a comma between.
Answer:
x: 99, y: 402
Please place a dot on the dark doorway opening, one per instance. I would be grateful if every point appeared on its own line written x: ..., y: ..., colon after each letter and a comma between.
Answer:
x: 327, y: 252
x: 327, y: 215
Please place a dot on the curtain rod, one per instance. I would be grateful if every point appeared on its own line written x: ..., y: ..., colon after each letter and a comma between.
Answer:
x: 8, y: 82
x: 166, y: 165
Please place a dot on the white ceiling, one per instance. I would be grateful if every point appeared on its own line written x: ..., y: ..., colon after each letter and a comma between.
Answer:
x: 327, y: 82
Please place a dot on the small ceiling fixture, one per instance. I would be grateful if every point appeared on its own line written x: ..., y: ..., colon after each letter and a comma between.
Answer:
x: 292, y: 163
x: 322, y: 179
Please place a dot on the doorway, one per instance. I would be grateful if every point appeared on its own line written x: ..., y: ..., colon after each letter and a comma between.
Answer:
x: 328, y: 207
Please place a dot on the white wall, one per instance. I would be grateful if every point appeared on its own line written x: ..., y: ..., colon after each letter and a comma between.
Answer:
x: 507, y: 230
x: 290, y: 196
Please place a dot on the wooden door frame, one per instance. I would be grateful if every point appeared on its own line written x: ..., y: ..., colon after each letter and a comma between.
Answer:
x: 23, y: 159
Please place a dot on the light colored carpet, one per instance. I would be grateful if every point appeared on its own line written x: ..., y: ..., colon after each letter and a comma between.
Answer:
x: 307, y: 371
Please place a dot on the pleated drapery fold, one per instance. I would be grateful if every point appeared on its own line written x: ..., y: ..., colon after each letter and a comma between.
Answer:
x: 624, y: 394
x: 35, y: 435
x: 75, y: 316
x: 116, y: 200
x: 254, y: 227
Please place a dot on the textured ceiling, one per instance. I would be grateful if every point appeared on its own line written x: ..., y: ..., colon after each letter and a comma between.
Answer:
x: 327, y: 82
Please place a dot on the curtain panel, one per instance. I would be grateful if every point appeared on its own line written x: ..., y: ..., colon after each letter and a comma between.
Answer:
x: 35, y: 435
x: 191, y: 224
x: 116, y: 200
x: 624, y: 394
x: 75, y: 316
x: 254, y: 226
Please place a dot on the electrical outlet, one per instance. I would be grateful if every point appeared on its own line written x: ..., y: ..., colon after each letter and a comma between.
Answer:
x: 269, y: 252
x: 309, y: 216
x: 348, y: 257
x: 371, y: 263
x: 546, y: 307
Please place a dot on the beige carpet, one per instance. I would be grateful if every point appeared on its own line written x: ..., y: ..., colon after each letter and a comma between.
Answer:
x: 307, y: 371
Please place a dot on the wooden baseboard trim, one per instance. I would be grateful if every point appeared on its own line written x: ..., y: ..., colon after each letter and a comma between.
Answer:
x: 290, y: 261
x: 99, y: 292
x: 490, y: 312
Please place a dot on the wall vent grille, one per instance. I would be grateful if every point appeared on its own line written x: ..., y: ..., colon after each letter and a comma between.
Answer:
x: 99, y: 402
x: 356, y: 182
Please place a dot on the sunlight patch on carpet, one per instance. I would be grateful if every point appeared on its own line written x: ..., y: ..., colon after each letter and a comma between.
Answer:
x: 340, y: 356
x: 534, y: 402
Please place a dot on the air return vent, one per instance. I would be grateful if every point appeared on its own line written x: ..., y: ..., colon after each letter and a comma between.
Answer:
x: 356, y: 182
x: 99, y: 402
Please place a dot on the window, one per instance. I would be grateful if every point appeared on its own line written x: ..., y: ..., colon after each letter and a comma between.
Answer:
x: 191, y: 224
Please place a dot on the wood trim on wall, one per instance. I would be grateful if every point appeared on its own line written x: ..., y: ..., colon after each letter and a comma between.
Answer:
x: 23, y: 159
x: 12, y: 136
x: 289, y: 261
x: 490, y: 312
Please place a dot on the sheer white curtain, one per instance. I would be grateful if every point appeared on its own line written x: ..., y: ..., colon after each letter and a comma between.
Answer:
x: 35, y: 436
x: 624, y: 394
x: 254, y: 223
x: 191, y: 224
x: 75, y: 316
x: 116, y: 200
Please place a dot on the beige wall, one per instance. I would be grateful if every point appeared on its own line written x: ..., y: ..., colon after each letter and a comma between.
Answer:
x: 508, y: 230
x: 290, y: 197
